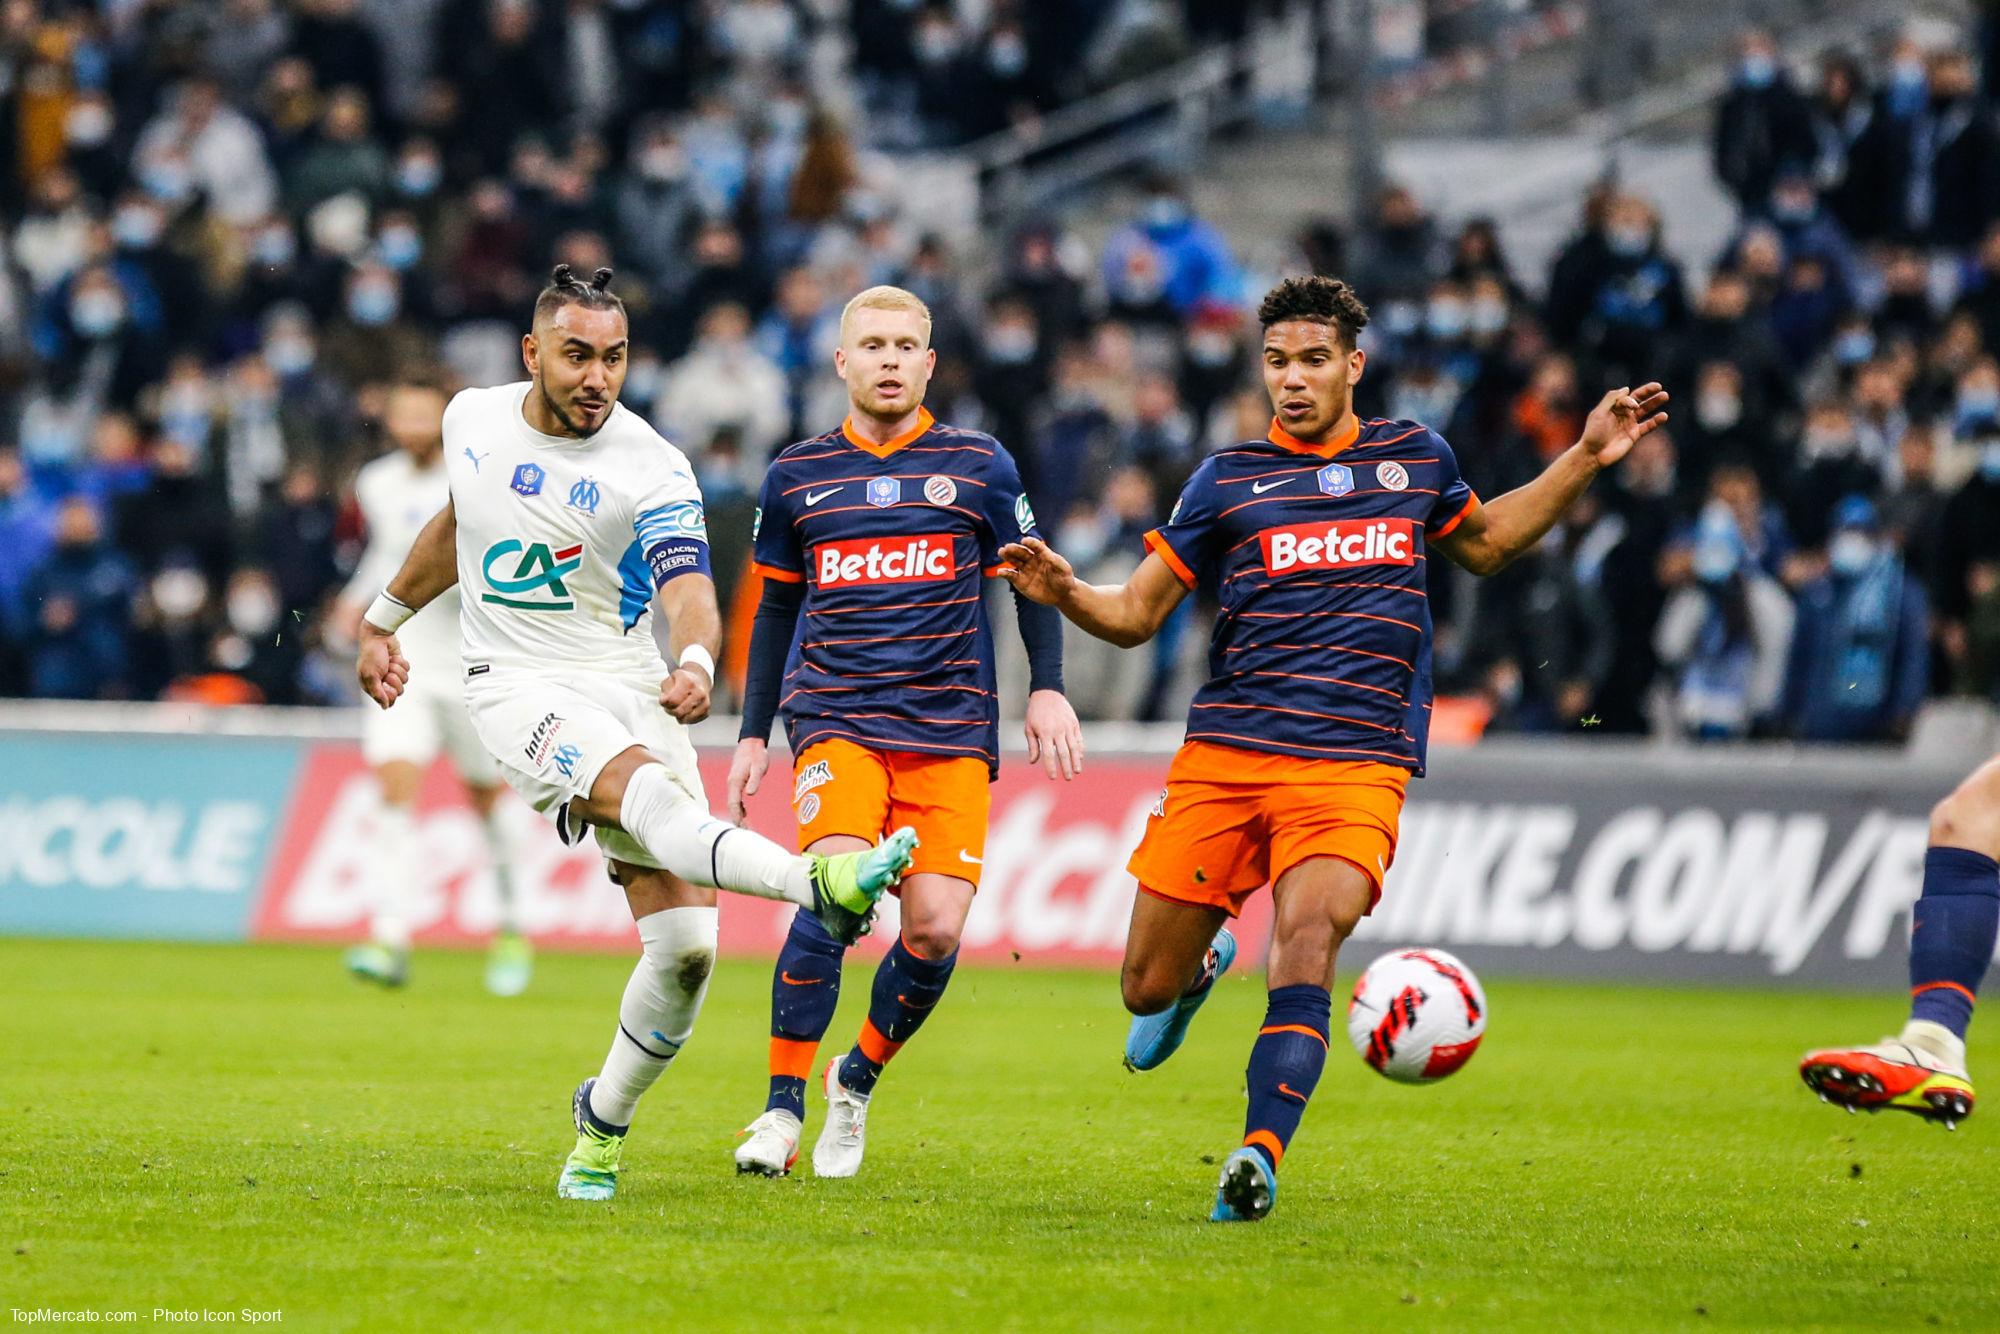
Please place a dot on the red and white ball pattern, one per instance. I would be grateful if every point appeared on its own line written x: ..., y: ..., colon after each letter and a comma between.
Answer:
x: 1416, y: 1015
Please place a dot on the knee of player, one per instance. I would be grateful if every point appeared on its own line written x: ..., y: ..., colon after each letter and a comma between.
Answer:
x: 1148, y: 991
x: 930, y: 941
x: 1970, y: 816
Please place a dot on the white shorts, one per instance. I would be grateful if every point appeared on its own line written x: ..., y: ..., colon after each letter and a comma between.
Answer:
x: 553, y: 738
x: 427, y: 721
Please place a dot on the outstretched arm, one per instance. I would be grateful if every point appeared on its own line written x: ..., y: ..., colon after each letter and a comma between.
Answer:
x: 429, y: 569
x: 1123, y: 614
x: 1493, y: 534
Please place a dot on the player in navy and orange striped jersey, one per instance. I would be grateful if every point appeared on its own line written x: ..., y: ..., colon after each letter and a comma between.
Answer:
x: 1315, y: 540
x: 882, y: 534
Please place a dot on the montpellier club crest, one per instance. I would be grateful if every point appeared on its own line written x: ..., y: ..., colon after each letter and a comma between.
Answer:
x: 1392, y: 476
x: 940, y: 490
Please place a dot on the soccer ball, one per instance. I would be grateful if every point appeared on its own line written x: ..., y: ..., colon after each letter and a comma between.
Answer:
x: 1417, y: 1015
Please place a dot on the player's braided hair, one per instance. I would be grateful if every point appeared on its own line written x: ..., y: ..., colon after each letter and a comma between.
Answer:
x: 1317, y: 298
x: 566, y: 289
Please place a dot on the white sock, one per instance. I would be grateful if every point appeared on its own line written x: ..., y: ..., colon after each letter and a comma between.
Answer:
x: 699, y: 848
x: 658, y: 1012
x: 495, y: 827
x: 394, y: 862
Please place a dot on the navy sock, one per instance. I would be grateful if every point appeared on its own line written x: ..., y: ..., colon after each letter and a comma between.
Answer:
x: 805, y: 988
x: 1285, y: 1065
x: 906, y: 990
x: 1952, y: 930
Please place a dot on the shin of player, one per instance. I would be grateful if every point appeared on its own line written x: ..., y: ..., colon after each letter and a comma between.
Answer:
x: 569, y: 518
x: 876, y: 539
x: 1300, y: 746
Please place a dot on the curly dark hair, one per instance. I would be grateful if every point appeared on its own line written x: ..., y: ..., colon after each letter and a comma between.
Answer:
x: 566, y: 289
x: 1317, y: 298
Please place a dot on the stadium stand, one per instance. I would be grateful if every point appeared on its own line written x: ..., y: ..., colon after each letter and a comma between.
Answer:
x: 229, y: 222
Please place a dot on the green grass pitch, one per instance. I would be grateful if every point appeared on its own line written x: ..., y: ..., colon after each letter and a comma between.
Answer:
x: 230, y: 1128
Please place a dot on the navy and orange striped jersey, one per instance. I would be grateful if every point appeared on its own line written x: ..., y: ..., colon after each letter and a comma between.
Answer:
x: 1317, y: 556
x: 893, y: 648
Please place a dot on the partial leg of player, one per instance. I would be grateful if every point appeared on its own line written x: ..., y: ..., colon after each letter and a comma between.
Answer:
x: 1154, y: 1037
x: 1953, y: 928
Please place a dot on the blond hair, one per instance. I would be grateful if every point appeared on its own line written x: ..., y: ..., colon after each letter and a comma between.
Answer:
x: 886, y: 298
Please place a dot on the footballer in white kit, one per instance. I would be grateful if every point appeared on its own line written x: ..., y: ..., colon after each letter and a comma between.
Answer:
x: 398, y: 494
x: 568, y: 516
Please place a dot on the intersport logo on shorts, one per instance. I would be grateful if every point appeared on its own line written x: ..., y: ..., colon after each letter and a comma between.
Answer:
x: 920, y: 559
x: 1340, y: 545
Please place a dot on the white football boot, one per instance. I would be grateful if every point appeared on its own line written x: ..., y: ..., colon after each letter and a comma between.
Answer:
x: 771, y: 1144
x: 842, y: 1138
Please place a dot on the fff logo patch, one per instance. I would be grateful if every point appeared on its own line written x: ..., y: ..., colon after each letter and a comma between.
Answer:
x: 885, y: 491
x: 1336, y: 479
x: 528, y: 479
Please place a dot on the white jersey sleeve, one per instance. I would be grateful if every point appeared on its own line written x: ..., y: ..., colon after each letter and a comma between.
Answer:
x: 397, y: 499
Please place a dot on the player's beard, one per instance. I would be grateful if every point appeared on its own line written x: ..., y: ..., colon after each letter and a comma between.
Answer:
x: 569, y: 426
x: 874, y: 405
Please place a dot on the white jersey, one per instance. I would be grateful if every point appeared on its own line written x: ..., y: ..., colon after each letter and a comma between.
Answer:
x: 397, y: 499
x: 561, y: 542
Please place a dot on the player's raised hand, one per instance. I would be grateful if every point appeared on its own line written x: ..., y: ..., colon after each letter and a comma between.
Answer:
x: 684, y: 694
x: 1036, y: 571
x: 746, y: 775
x: 1622, y: 419
x: 1055, y: 738
x: 379, y: 663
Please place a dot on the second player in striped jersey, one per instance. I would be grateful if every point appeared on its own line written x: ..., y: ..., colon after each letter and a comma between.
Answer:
x: 882, y: 534
x: 1316, y: 541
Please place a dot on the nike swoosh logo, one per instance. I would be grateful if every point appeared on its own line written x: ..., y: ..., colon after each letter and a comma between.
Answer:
x: 814, y: 497
x: 969, y: 859
x: 1291, y: 1092
x: 791, y: 981
x: 905, y: 1000
x: 1260, y: 488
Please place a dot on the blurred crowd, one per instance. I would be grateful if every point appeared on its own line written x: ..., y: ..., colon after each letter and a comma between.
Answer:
x: 236, y: 220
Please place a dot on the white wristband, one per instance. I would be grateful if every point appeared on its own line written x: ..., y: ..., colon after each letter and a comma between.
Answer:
x: 385, y: 613
x: 696, y: 655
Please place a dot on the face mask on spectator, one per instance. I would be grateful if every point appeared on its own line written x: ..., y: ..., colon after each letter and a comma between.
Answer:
x: 1011, y: 345
x: 88, y: 125
x: 936, y: 43
x: 1402, y: 318
x: 1210, y: 349
x: 289, y: 356
x: 1757, y: 71
x: 1792, y: 208
x: 400, y: 247
x: 274, y: 248
x: 1824, y: 442
x: 418, y: 176
x: 1854, y: 347
x: 1008, y: 56
x: 1489, y: 316
x: 178, y: 592
x: 1907, y: 74
x: 1163, y: 212
x: 1628, y: 241
x: 1977, y: 404
x: 167, y: 180
x: 642, y: 380
x: 1718, y: 412
x: 1989, y: 461
x: 252, y: 611
x: 1445, y: 318
x: 663, y: 164
x: 373, y: 304
x: 97, y: 313
x: 136, y: 227
x: 1850, y: 552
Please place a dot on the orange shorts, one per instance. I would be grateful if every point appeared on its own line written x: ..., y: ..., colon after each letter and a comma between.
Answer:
x: 840, y: 787
x: 1231, y: 820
